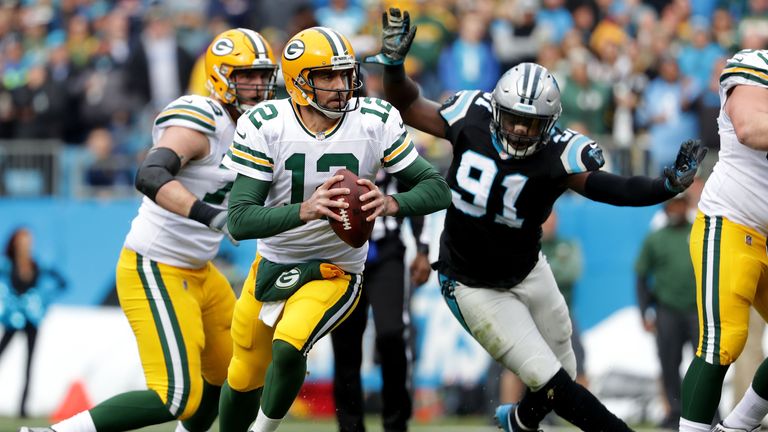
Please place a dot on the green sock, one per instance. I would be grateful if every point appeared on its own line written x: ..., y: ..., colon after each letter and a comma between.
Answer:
x: 237, y: 409
x: 285, y: 375
x: 702, y: 386
x: 760, y: 381
x: 206, y: 413
x: 131, y: 410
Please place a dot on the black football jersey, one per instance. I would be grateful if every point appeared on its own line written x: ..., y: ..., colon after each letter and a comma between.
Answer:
x: 492, y: 233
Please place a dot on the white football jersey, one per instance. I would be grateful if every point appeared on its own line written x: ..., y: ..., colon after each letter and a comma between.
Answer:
x: 738, y: 184
x: 164, y: 236
x: 272, y: 144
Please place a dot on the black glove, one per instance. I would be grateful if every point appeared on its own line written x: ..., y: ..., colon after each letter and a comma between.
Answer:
x: 397, y: 36
x: 689, y: 157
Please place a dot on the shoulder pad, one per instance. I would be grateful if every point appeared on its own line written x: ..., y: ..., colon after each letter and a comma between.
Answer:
x: 191, y: 111
x: 457, y: 105
x: 579, y: 153
x: 746, y: 67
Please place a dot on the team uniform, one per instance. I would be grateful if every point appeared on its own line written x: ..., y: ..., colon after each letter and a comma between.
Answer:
x: 728, y: 239
x: 273, y: 145
x: 498, y: 200
x: 178, y: 304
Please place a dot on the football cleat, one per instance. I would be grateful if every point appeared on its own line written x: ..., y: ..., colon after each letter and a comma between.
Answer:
x: 506, y: 421
x: 35, y: 429
x: 721, y: 428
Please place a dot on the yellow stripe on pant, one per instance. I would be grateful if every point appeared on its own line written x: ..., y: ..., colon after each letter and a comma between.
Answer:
x: 731, y: 268
x: 181, y: 319
x: 310, y: 313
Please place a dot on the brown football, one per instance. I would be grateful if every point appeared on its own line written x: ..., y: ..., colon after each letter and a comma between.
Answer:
x: 354, y: 230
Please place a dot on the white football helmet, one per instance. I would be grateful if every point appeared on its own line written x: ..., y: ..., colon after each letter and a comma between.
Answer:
x: 526, y: 105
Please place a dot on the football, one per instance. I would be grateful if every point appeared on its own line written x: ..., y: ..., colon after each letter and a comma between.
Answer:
x: 354, y: 230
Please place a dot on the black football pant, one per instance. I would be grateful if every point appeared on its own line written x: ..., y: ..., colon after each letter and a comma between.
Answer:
x: 673, y: 330
x: 384, y: 291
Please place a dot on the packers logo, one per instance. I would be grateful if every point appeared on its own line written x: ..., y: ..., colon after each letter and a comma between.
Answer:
x: 223, y: 47
x: 294, y: 50
x: 288, y: 279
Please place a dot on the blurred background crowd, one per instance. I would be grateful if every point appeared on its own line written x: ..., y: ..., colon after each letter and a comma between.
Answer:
x: 83, y: 79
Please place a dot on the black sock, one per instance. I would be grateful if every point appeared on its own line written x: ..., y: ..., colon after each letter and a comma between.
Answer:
x: 570, y: 401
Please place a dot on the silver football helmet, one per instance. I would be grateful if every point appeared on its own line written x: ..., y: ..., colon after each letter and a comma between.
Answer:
x: 526, y: 105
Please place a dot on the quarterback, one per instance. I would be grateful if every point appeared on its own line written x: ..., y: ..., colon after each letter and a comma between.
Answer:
x: 728, y: 249
x: 178, y: 304
x: 510, y: 164
x: 305, y: 280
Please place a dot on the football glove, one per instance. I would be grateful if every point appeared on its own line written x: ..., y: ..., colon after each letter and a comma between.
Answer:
x: 689, y: 157
x: 219, y: 224
x: 397, y: 36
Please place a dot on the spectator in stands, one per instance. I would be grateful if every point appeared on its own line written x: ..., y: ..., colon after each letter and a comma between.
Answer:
x: 469, y: 62
x: 515, y: 33
x: 40, y: 106
x: 585, y: 100
x: 697, y: 58
x: 665, y: 110
x: 107, y: 173
x: 158, y: 68
x: 25, y: 298
x: 554, y: 20
x: 437, y: 25
x: 667, y: 299
x: 344, y: 16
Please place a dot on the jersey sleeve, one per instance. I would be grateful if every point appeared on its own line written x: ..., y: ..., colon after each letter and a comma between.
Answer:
x: 455, y: 109
x: 192, y: 112
x: 398, y: 148
x: 580, y: 153
x: 747, y: 67
x: 249, y: 153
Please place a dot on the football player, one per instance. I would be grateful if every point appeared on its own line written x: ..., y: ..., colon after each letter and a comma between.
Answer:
x: 510, y: 163
x: 305, y: 280
x: 179, y: 305
x: 728, y: 249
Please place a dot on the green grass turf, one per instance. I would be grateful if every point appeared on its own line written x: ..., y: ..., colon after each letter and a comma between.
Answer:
x: 463, y: 424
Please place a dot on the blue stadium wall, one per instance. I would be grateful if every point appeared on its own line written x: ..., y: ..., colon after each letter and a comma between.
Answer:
x: 82, y: 239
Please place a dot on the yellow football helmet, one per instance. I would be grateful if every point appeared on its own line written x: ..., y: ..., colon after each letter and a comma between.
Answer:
x: 314, y: 49
x: 235, y: 50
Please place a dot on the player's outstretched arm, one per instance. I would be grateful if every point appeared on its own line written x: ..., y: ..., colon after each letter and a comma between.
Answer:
x: 747, y: 107
x: 638, y: 191
x: 401, y: 91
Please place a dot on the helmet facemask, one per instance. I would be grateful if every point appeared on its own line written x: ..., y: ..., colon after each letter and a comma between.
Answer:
x: 520, y: 134
x: 353, y: 84
x: 265, y: 90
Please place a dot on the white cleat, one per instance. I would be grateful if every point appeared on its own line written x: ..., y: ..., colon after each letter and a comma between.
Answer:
x: 35, y: 429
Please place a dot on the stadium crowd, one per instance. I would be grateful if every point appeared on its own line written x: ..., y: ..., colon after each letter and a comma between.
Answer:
x: 639, y: 75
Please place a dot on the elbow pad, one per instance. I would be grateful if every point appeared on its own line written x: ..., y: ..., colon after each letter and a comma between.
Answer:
x: 159, y: 167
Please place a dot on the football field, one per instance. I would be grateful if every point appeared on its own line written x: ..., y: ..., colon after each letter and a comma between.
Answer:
x: 463, y: 424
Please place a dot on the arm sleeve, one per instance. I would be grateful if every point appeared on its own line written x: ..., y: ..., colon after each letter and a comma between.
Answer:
x: 417, y: 227
x: 429, y: 191
x: 636, y: 191
x: 249, y: 219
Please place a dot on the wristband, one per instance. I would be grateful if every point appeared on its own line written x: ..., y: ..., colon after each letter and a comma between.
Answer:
x: 203, y: 213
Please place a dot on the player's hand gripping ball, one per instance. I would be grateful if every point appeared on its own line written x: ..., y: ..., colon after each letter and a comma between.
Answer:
x: 354, y: 230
